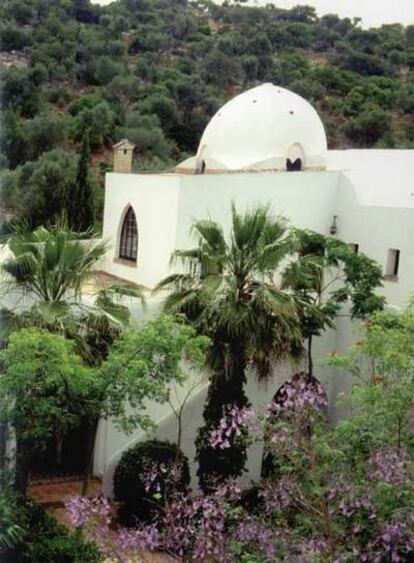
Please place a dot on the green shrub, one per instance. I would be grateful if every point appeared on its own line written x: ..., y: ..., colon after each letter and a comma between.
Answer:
x: 130, y: 481
x: 368, y: 127
x: 47, y: 541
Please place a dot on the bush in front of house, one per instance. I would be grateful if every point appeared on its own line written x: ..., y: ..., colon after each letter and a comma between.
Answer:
x: 146, y: 475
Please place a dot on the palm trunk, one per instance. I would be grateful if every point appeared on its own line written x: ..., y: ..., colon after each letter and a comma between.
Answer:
x: 226, y: 388
x: 92, y: 428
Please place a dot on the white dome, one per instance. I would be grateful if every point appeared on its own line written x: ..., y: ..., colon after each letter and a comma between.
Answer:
x: 260, y: 129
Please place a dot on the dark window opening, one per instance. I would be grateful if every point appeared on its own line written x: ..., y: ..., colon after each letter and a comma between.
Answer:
x: 354, y: 247
x: 294, y: 166
x: 128, y: 247
x: 393, y: 262
x: 125, y: 151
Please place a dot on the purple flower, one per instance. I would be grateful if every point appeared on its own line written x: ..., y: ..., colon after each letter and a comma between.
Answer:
x: 234, y: 424
x: 82, y: 509
x: 146, y: 537
x: 299, y: 394
x: 389, y: 466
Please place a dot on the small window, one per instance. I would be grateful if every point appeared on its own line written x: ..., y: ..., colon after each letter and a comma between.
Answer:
x: 354, y: 247
x: 125, y: 151
x: 128, y: 247
x: 393, y: 263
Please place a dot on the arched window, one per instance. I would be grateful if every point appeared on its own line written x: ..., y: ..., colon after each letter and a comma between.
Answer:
x: 128, y: 246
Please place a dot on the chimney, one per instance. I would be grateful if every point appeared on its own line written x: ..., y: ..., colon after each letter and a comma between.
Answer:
x: 123, y: 153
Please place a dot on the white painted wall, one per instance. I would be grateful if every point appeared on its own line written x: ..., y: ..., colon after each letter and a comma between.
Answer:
x: 376, y: 229
x: 375, y: 209
x: 306, y: 199
x: 154, y: 199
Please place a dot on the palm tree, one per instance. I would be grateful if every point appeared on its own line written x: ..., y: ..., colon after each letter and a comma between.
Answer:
x: 230, y: 293
x: 46, y: 270
x: 48, y: 266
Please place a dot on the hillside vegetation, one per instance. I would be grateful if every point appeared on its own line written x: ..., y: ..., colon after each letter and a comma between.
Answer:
x: 155, y: 71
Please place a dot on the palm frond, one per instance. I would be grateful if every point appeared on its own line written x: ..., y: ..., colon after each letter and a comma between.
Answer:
x: 210, y: 233
x: 185, y: 255
x: 175, y: 282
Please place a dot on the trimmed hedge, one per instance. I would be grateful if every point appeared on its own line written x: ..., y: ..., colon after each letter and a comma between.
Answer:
x: 129, y: 480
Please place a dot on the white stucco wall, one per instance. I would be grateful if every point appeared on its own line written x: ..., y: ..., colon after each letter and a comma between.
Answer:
x: 377, y: 229
x: 375, y: 209
x: 154, y: 199
x: 306, y: 199
x: 166, y: 206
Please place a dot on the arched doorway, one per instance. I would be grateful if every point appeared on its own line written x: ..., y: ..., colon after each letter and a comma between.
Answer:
x: 128, y: 243
x: 295, y: 158
x: 294, y: 166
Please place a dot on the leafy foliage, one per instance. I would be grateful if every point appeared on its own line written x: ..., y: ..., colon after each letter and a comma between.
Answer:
x: 140, y: 366
x: 48, y: 268
x: 41, y: 392
x: 324, y: 274
x: 11, y: 525
x: 343, y: 493
x: 41, y: 383
x: 41, y: 191
x: 47, y: 541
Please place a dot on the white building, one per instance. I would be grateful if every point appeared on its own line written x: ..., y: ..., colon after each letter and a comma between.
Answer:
x: 267, y: 145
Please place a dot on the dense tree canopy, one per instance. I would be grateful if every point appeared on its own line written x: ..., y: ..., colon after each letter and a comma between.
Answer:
x: 157, y: 70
